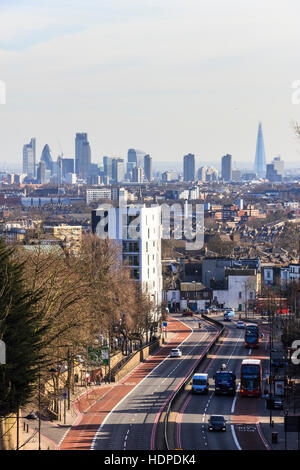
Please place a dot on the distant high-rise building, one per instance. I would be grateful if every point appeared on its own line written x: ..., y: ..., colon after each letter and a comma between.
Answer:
x: 166, y: 176
x: 107, y: 167
x: 148, y: 167
x: 275, y: 170
x: 82, y: 155
x: 29, y: 158
x: 47, y: 158
x: 137, y: 175
x: 260, y: 156
x: 67, y: 166
x: 41, y: 172
x: 118, y: 170
x: 189, y: 167
x: 135, y: 158
x: 202, y: 173
x: 227, y: 167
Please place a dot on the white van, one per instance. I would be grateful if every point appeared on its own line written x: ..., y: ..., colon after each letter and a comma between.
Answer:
x: 200, y: 383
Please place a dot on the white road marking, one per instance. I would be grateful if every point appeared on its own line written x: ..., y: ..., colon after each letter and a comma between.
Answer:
x: 235, y: 438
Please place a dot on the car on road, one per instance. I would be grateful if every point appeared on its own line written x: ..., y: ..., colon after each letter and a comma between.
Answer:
x: 188, y: 313
x: 200, y: 383
x: 226, y: 317
x: 216, y: 423
x: 176, y: 352
x: 240, y: 324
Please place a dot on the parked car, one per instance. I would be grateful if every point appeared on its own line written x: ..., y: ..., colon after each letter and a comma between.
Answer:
x: 240, y: 324
x: 188, y: 313
x: 176, y: 352
x: 216, y: 423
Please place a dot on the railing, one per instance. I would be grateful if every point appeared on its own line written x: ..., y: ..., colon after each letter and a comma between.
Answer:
x: 114, y: 370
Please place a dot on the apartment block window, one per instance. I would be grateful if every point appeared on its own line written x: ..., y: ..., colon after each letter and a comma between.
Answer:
x: 240, y: 295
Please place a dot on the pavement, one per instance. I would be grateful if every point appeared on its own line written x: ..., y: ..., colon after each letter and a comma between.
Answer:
x: 69, y: 433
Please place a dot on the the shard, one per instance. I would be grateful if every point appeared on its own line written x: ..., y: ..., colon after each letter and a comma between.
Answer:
x: 260, y: 156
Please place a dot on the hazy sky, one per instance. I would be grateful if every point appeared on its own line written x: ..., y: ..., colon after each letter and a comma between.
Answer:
x: 169, y: 77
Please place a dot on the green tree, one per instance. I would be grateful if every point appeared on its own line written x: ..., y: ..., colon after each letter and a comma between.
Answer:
x: 21, y: 330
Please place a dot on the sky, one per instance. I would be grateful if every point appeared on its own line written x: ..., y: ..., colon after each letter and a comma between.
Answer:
x: 169, y: 77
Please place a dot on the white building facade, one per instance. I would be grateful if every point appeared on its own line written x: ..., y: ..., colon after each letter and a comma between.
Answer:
x: 139, y: 230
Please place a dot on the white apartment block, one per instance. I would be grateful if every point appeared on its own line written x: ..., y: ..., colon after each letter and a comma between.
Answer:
x: 95, y: 194
x: 138, y: 229
x: 241, y: 291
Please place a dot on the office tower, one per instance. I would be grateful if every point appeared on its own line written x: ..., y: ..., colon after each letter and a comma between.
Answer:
x: 260, y: 156
x: 138, y: 231
x: 212, y: 174
x: 82, y: 155
x: 227, y: 167
x: 47, y: 158
x: 41, y: 172
x: 166, y: 176
x: 148, y: 167
x: 67, y: 166
x: 107, y: 166
x: 29, y: 158
x: 275, y: 170
x: 135, y: 158
x: 201, y: 175
x: 70, y: 178
x: 189, y: 167
x: 118, y: 170
x: 137, y: 175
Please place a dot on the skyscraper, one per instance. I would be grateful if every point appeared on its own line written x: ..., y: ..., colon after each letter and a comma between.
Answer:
x: 148, y: 167
x: 82, y: 155
x: 67, y: 166
x: 118, y: 170
x: 47, y: 158
x: 29, y: 159
x: 260, y: 156
x: 275, y: 170
x: 189, y: 167
x: 227, y: 167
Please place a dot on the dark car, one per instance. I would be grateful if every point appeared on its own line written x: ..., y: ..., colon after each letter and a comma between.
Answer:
x: 188, y: 313
x: 216, y: 423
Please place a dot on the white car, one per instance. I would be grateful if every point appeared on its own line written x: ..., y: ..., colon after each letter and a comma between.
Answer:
x: 240, y: 324
x: 176, y: 352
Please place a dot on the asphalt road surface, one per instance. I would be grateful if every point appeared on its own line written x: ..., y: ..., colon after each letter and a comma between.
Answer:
x: 241, y: 413
x: 133, y: 423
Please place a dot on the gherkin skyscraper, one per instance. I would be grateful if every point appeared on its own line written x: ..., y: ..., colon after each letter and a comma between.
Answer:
x: 260, y: 156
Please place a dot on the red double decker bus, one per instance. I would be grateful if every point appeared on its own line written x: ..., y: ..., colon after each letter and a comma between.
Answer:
x: 277, y: 304
x: 251, y: 378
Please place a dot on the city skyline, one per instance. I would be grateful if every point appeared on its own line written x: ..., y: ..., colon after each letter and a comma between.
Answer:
x: 188, y: 95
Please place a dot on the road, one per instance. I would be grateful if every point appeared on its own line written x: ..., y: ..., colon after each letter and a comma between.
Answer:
x: 133, y: 424
x: 241, y: 413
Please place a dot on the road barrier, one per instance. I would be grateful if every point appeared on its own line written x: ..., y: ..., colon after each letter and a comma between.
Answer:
x: 188, y: 378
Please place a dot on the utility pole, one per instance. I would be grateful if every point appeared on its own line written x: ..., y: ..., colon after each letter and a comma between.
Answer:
x: 39, y: 409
